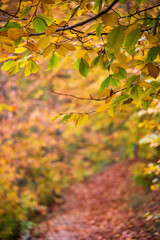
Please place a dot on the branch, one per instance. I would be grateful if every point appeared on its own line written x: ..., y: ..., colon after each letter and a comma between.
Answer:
x: 93, y: 111
x: 19, y: 6
x: 143, y: 10
x: 65, y: 28
x: 70, y: 95
x: 9, y: 14
x: 91, y: 98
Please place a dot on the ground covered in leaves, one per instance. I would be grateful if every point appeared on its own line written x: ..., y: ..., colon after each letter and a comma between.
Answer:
x: 107, y: 206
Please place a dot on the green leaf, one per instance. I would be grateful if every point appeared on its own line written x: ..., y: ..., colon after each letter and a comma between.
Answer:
x: 10, y: 25
x: 122, y: 1
x: 131, y: 80
x: 18, y: 42
x: 49, y: 20
x: 106, y: 64
x: 113, y: 81
x: 13, y: 25
x: 97, y: 3
x: 121, y: 75
x: 138, y: 2
x: 105, y: 83
x: 153, y: 53
x: 152, y: 90
x: 145, y: 104
x: 97, y: 6
x: 115, y: 39
x: 39, y: 25
x: 66, y: 117
x: 99, y: 29
x: 148, y: 20
x: 131, y: 40
x: 24, y: 11
x: 83, y: 68
x: 137, y: 93
x: 53, y: 62
x: 121, y: 98
x: 35, y: 67
x: 76, y: 64
x: 96, y: 60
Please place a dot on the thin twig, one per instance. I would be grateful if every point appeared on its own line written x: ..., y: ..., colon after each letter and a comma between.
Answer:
x: 65, y: 113
x: 143, y: 10
x: 91, y: 98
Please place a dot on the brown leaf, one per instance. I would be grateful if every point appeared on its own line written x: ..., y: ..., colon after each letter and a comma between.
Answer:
x: 153, y: 70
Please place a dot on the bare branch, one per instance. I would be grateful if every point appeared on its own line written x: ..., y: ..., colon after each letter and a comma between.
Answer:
x: 70, y: 95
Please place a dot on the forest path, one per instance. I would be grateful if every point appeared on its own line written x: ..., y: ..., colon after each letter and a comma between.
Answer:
x: 107, y: 206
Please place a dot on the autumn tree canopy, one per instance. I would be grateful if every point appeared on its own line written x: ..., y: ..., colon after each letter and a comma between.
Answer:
x: 120, y: 36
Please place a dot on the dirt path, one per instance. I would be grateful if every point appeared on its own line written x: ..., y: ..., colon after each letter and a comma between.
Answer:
x: 108, y: 206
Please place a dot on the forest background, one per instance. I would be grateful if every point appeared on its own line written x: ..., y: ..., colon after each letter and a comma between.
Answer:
x: 40, y: 156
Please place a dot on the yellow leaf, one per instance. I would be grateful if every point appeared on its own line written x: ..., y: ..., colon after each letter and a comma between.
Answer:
x: 83, y: 3
x: 87, y: 58
x: 72, y: 117
x: 103, y: 107
x: 8, y: 48
x: 48, y: 50
x: 15, y: 33
x: 20, y: 50
x: 69, y: 46
x: 76, y: 119
x: 108, y: 99
x: 81, y: 53
x: 61, y: 24
x: 144, y: 84
x: 49, y: 30
x: 46, y: 9
x: 110, y: 19
x: 111, y: 111
x: 15, y: 68
x: 62, y: 51
x: 104, y: 93
x: 6, y: 40
x: 121, y: 57
x: 114, y: 68
x: 55, y: 117
x: 43, y: 42
x: 82, y: 119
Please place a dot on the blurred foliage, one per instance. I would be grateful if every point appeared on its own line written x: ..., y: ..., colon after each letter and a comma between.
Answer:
x: 40, y: 158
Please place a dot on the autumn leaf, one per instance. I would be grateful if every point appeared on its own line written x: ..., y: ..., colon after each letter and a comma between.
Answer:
x: 153, y: 70
x: 110, y: 19
x: 115, y: 39
x: 15, y: 33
